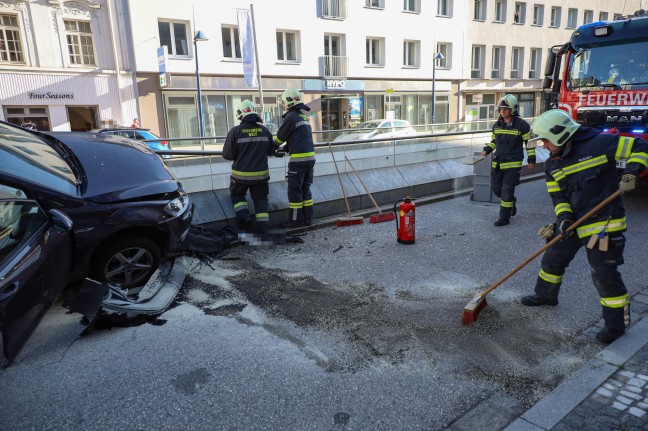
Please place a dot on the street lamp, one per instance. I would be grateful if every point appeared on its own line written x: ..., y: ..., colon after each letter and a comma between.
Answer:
x: 437, y: 56
x: 199, y: 37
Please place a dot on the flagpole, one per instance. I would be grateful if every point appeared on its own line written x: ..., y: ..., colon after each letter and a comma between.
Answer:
x: 256, y: 58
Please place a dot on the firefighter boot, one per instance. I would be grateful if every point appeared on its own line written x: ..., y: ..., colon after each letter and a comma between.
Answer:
x: 514, y: 209
x: 545, y: 294
x: 616, y: 320
x: 504, y: 216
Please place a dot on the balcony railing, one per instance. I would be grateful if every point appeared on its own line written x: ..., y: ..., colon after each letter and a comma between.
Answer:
x: 334, y: 9
x: 334, y: 66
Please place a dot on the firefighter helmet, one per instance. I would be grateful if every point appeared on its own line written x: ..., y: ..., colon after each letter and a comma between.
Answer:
x: 509, y: 101
x: 291, y: 97
x: 556, y: 126
x: 246, y: 108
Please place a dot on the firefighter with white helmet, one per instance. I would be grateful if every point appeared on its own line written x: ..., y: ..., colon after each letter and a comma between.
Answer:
x: 297, y: 135
x: 508, y: 140
x: 580, y: 173
x: 248, y: 145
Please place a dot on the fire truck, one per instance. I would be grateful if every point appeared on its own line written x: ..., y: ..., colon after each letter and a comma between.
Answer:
x: 601, y: 76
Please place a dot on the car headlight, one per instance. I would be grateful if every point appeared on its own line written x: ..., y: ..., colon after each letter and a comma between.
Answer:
x: 177, y: 206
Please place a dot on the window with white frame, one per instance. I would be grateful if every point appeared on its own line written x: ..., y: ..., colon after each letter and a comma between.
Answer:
x: 480, y: 10
x: 444, y: 7
x: 477, y: 62
x: 80, y: 42
x: 444, y: 49
x: 617, y: 16
x: 173, y: 34
x: 500, y: 10
x: 538, y: 14
x: 572, y: 17
x: 517, y: 60
x: 411, y: 53
x: 555, y: 16
x: 603, y: 16
x: 519, y: 16
x: 497, y: 62
x: 374, y: 51
x: 588, y: 17
x: 231, y: 44
x: 412, y: 5
x: 534, y: 63
x: 287, y: 46
x: 10, y: 44
x: 375, y: 3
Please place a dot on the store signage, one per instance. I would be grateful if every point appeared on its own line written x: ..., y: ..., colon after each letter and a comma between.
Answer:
x: 50, y: 95
x: 335, y: 84
x: 163, y: 59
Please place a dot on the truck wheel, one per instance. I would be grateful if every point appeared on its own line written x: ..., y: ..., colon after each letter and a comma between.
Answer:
x: 128, y: 262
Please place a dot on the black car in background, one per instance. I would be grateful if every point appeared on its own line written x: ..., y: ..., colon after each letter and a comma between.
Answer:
x: 127, y: 208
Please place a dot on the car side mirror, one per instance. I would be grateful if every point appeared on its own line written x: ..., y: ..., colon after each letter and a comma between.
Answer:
x: 60, y: 220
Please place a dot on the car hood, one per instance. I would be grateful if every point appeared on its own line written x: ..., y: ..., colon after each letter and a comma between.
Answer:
x: 117, y: 168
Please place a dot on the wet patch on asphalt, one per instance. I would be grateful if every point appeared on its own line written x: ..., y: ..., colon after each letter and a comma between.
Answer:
x: 508, y: 344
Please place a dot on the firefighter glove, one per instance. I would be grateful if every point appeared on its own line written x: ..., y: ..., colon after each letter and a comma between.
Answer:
x: 547, y: 231
x: 279, y: 153
x: 563, y: 226
x: 628, y: 183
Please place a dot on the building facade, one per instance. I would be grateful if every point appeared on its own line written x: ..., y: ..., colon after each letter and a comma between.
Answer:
x: 62, y: 65
x: 82, y: 64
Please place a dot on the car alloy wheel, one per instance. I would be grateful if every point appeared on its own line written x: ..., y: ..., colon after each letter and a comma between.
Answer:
x: 128, y: 262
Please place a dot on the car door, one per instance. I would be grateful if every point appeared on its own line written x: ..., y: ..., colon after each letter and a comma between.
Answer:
x: 35, y: 264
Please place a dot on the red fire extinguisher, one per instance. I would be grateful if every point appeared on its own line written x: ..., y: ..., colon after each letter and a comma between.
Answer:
x: 405, y: 227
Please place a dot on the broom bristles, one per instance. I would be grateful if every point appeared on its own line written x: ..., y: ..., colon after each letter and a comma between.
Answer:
x: 472, y: 310
x: 348, y: 221
x: 379, y: 218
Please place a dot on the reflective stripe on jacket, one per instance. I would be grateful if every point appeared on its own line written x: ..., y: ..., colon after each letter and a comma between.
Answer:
x: 296, y: 131
x: 509, y: 141
x: 249, y: 144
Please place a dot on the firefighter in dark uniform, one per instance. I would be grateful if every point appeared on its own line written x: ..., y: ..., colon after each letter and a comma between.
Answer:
x: 249, y: 144
x: 508, y: 140
x: 296, y: 132
x: 580, y: 173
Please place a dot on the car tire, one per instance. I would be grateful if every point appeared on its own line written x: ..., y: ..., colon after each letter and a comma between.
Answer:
x: 128, y: 262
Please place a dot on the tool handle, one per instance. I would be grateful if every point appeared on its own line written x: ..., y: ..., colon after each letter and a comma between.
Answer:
x: 574, y: 225
x: 346, y: 201
x: 363, y: 184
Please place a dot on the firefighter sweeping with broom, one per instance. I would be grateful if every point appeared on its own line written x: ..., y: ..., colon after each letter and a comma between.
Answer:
x: 580, y: 173
x: 296, y: 131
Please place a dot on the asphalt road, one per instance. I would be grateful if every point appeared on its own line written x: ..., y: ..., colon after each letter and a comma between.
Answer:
x: 348, y: 330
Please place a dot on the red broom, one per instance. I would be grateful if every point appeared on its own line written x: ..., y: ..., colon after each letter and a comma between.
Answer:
x: 478, y: 303
x: 374, y: 218
x: 344, y: 221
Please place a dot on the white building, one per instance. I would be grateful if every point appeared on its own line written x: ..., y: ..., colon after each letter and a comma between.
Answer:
x: 61, y: 66
x: 76, y: 65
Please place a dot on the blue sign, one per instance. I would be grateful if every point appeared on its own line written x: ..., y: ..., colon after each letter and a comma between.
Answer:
x: 162, y: 58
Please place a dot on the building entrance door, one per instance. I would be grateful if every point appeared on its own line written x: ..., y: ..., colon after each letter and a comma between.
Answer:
x: 82, y: 118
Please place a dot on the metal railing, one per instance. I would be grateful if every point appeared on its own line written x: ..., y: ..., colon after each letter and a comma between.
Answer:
x: 334, y: 9
x: 334, y: 66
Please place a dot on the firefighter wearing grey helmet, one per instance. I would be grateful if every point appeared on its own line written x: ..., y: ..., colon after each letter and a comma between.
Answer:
x: 297, y: 135
x: 248, y: 146
x: 291, y: 97
x: 555, y: 126
x: 580, y: 173
x: 508, y: 141
x: 509, y: 101
x: 246, y: 108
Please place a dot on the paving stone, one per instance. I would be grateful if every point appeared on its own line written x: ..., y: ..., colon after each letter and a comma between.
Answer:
x: 624, y: 400
x: 642, y: 406
x: 619, y: 406
x: 640, y: 383
x: 632, y: 395
x: 635, y: 389
x: 627, y: 373
x: 604, y: 392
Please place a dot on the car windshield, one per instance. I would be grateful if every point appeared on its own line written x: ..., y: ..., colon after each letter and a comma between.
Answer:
x: 25, y: 155
x: 368, y: 125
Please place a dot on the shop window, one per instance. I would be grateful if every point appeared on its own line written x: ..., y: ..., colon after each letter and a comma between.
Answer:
x: 173, y: 34
x: 32, y: 117
x: 287, y: 42
x: 80, y: 43
x: 10, y: 46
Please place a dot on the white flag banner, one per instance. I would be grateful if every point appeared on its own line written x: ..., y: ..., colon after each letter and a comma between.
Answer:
x: 246, y: 40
